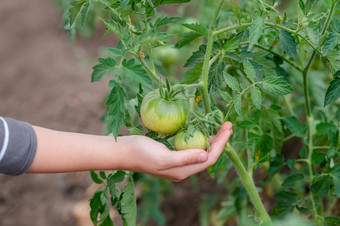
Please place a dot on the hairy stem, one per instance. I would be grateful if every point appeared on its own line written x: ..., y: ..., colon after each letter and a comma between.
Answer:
x: 248, y: 184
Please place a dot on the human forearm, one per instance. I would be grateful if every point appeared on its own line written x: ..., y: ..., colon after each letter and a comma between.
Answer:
x: 68, y: 152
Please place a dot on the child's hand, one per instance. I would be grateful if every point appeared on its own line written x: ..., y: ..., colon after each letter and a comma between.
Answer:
x: 149, y: 156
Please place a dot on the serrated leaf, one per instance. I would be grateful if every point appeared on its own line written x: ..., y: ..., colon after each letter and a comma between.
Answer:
x: 114, y: 27
x: 196, y: 56
x: 249, y: 70
x: 197, y: 27
x: 166, y: 20
x: 288, y: 43
x: 116, y: 101
x: 275, y: 86
x: 263, y: 146
x: 334, y: 59
x: 335, y: 174
x: 294, y: 125
x: 233, y: 43
x: 238, y: 104
x: 128, y: 206
x: 187, y: 38
x: 318, y: 158
x: 333, y: 91
x: 256, y: 97
x: 75, y: 9
x: 331, y: 42
x: 332, y: 221
x: 105, y: 66
x: 325, y: 128
x: 256, y: 30
x: 231, y: 82
x: 115, y: 51
x: 292, y: 180
x: 285, y: 204
x: 215, y: 77
x: 225, y: 96
x: 321, y: 185
x: 192, y: 74
x: 247, y: 124
x: 137, y: 73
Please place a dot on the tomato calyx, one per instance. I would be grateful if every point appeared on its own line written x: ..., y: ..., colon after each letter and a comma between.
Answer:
x: 168, y: 93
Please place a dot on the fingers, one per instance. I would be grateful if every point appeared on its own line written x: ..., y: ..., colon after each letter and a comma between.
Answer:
x: 187, y: 157
x: 186, y: 165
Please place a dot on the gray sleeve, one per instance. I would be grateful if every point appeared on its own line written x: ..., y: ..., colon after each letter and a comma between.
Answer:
x: 18, y: 145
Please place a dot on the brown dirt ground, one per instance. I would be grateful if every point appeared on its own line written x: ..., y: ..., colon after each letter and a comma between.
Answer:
x: 46, y: 81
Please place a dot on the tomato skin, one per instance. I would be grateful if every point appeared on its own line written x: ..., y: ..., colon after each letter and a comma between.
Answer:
x: 196, y: 141
x: 164, y: 116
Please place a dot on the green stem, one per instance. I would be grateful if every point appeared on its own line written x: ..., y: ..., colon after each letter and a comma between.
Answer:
x: 288, y: 105
x: 151, y: 72
x: 151, y: 58
x: 248, y: 184
x: 181, y: 86
x: 291, y: 136
x: 206, y: 65
x: 297, y: 67
x: 235, y: 27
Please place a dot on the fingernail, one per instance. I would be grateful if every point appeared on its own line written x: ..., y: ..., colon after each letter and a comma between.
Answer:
x: 202, y: 157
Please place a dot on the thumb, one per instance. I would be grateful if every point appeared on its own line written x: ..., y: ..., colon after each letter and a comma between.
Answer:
x: 186, y: 157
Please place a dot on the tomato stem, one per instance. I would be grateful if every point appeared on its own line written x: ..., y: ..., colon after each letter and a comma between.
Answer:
x: 248, y: 184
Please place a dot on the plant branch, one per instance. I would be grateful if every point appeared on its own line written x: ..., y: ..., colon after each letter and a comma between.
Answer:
x: 248, y: 184
x: 297, y: 67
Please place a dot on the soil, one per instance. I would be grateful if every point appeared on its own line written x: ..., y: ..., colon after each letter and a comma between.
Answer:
x: 45, y: 81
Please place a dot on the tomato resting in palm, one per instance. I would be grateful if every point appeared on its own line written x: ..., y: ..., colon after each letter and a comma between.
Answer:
x: 196, y: 141
x: 164, y: 116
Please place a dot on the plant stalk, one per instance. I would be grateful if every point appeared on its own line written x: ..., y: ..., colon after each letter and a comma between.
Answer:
x: 248, y: 184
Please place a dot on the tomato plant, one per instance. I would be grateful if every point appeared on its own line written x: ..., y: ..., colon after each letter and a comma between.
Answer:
x: 270, y: 67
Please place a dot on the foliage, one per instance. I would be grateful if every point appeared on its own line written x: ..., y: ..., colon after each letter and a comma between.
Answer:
x: 271, y: 69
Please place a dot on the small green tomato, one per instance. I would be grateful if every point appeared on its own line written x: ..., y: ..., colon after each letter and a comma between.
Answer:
x: 196, y: 141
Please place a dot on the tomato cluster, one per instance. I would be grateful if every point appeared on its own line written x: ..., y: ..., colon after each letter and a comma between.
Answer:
x: 168, y: 116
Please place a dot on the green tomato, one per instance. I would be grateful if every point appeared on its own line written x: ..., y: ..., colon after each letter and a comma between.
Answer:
x: 167, y: 55
x: 164, y: 116
x: 196, y: 141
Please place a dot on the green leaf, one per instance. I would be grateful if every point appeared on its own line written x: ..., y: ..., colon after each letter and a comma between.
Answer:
x: 137, y: 73
x: 263, y: 147
x: 199, y: 28
x: 331, y: 42
x: 249, y: 70
x: 95, y: 177
x: 75, y: 9
x: 128, y: 206
x: 291, y: 181
x: 187, y: 38
x: 256, y: 97
x: 335, y: 174
x: 318, y: 158
x: 238, y: 104
x: 321, y: 185
x: 333, y: 91
x: 256, y: 30
x: 275, y: 86
x: 225, y: 96
x: 196, y: 56
x: 192, y: 74
x: 106, y: 65
x: 325, y: 128
x: 114, y: 27
x: 234, y: 43
x: 332, y: 221
x: 116, y: 100
x: 334, y: 59
x: 154, y: 37
x: 285, y: 204
x: 288, y: 43
x: 215, y: 77
x: 231, y: 82
x: 166, y: 20
x: 247, y: 124
x: 294, y: 125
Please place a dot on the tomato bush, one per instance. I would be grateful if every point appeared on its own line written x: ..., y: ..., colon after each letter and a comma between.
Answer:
x: 270, y: 67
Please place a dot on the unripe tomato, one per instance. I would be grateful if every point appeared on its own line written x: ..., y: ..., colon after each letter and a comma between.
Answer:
x: 164, y: 116
x: 196, y: 141
x: 167, y: 55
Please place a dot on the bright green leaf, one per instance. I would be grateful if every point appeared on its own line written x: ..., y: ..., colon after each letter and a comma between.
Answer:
x: 275, y: 86
x: 256, y: 30
x: 333, y: 91
x: 288, y: 43
x: 231, y: 82
x: 249, y: 70
x: 294, y: 125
